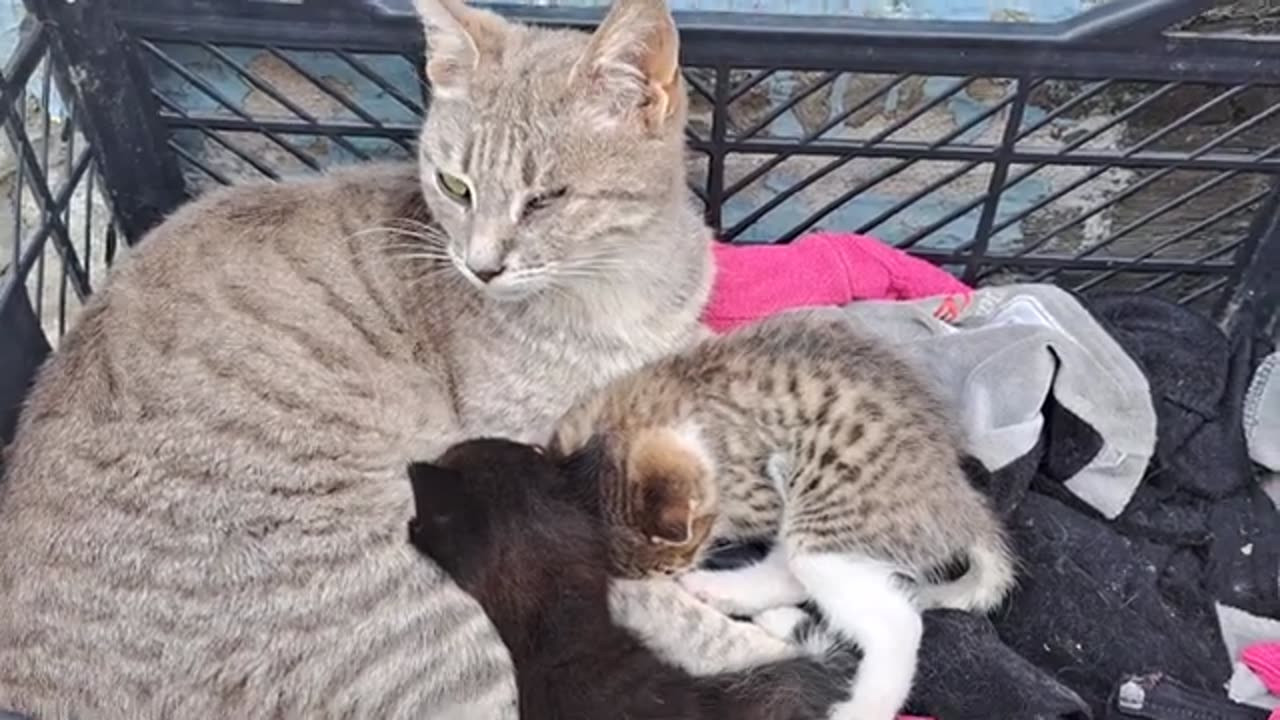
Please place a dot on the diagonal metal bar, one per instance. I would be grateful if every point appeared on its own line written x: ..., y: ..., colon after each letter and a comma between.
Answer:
x: 1201, y: 109
x: 1154, y: 177
x: 840, y: 162
x: 210, y: 132
x: 937, y: 184
x: 822, y: 81
x: 1173, y: 240
x: 697, y: 86
x: 272, y: 92
x: 1123, y: 194
x: 904, y: 164
x: 334, y: 93
x: 1214, y: 286
x: 372, y: 76
x: 1204, y: 259
x: 26, y: 57
x: 750, y: 83
x: 1165, y: 278
x: 882, y: 90
x: 1065, y: 150
x: 858, y: 189
x: 197, y: 163
x: 1090, y: 92
x: 213, y: 94
x: 1156, y: 212
x: 51, y: 208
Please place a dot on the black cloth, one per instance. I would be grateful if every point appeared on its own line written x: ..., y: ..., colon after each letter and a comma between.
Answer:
x: 1201, y: 492
x: 1099, y: 600
x: 962, y: 650
x: 1160, y: 697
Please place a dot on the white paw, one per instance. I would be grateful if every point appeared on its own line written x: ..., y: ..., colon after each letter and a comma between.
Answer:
x: 724, y: 591
x: 781, y: 622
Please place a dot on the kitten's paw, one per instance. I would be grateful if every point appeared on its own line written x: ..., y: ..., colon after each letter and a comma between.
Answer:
x: 782, y: 622
x: 726, y: 591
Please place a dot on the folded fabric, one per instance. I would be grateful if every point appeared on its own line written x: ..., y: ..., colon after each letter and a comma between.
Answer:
x: 964, y: 672
x: 1202, y: 493
x: 1262, y: 413
x: 997, y: 354
x: 1264, y: 660
x: 823, y: 269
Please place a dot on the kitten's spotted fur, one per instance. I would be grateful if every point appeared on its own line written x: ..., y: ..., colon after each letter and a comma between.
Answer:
x: 524, y: 536
x: 204, y: 509
x: 798, y: 429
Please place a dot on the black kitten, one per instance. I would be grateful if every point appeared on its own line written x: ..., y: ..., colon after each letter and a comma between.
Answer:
x: 522, y: 535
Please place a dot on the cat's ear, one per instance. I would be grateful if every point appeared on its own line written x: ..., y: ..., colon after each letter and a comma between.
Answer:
x: 432, y: 486
x: 670, y: 481
x: 632, y: 67
x: 459, y: 38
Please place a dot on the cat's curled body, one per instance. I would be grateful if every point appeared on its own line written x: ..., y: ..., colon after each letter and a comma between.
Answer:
x: 521, y: 532
x: 204, y: 508
x: 799, y: 430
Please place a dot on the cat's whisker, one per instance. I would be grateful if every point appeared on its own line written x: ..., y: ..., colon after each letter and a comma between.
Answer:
x: 436, y: 239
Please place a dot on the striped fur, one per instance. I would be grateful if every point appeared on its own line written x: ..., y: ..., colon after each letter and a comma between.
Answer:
x: 205, y: 505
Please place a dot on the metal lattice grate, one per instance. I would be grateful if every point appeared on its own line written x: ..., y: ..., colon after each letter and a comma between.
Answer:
x: 1100, y: 184
x: 56, y: 233
x: 1101, y: 152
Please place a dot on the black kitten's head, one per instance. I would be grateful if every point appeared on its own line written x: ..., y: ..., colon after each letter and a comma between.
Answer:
x: 502, y: 517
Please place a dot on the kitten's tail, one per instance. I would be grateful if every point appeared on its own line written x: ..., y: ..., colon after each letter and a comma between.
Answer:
x: 800, y: 688
x: 982, y: 587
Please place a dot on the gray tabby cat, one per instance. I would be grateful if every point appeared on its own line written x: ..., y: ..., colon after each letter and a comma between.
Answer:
x: 796, y: 429
x: 205, y: 505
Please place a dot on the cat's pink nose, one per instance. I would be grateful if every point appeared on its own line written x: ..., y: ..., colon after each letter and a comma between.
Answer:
x: 487, y: 273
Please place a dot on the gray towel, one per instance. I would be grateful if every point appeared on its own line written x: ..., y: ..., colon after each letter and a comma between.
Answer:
x: 999, y: 355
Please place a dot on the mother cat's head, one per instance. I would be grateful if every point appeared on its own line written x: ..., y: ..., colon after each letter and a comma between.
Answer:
x: 554, y: 159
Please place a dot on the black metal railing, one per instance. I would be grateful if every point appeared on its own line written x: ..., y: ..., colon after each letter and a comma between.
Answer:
x: 1103, y: 152
x: 57, y: 237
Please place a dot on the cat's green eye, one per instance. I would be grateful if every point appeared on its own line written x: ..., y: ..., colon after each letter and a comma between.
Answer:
x: 454, y: 187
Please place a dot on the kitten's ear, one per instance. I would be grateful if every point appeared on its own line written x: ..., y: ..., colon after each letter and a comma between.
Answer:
x: 669, y: 482
x: 632, y: 64
x: 581, y: 471
x: 431, y: 484
x: 459, y: 38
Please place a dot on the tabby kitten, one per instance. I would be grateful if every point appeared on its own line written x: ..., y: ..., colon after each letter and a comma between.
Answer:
x: 796, y: 428
x: 525, y: 538
x: 205, y: 504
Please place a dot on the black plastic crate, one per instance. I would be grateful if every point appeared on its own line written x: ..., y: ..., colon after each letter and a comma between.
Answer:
x: 1105, y: 152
